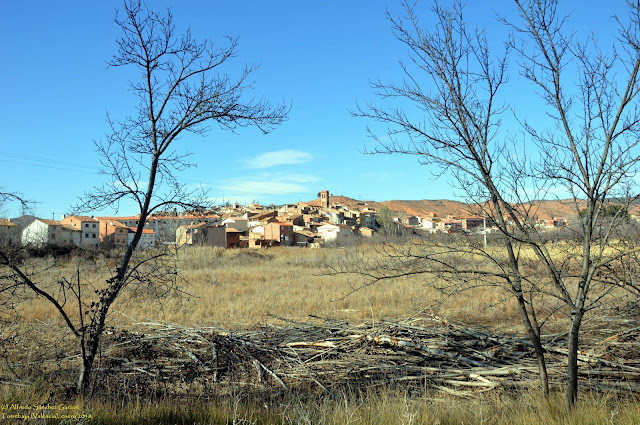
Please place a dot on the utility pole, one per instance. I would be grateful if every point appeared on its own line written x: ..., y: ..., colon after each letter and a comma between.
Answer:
x: 484, y: 230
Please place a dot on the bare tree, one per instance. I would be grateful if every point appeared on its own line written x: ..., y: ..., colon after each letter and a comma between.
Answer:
x: 9, y: 249
x: 182, y: 88
x: 593, y: 150
x: 589, y: 148
x: 7, y: 198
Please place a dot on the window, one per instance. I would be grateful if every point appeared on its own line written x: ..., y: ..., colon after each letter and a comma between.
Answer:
x: 94, y: 225
x: 93, y: 236
x: 86, y: 224
x: 86, y: 235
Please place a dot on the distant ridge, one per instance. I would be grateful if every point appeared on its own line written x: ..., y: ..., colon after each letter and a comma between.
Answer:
x: 423, y: 208
x: 564, y: 208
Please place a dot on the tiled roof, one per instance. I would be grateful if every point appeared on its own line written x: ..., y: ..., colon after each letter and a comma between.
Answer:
x: 118, y: 218
x: 5, y: 222
x: 81, y: 218
x: 194, y: 226
x: 263, y: 215
x: 290, y: 216
x: 164, y: 217
x: 307, y: 233
x: 144, y: 230
x: 178, y: 217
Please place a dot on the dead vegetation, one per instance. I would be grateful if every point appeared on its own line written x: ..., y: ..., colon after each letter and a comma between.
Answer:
x: 323, y: 356
x: 271, y: 322
x: 424, y: 352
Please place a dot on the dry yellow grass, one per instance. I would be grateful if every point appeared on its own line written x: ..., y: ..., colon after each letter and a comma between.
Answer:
x: 243, y: 288
x: 238, y: 289
x: 384, y: 406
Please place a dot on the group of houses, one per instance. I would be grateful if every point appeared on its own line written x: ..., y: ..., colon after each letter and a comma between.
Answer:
x: 230, y: 226
x: 304, y: 224
x: 470, y: 224
x: 82, y: 231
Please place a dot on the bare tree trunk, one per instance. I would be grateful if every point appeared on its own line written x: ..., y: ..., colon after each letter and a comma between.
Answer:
x: 85, y: 375
x: 571, y: 395
x: 542, y: 371
x: 532, y: 331
x: 534, y: 337
x: 89, y: 354
x: 110, y: 295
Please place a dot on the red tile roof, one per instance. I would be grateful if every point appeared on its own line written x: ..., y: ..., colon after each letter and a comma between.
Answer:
x: 144, y: 230
x: 116, y: 218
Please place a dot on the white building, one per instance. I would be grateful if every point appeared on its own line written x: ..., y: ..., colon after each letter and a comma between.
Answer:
x: 429, y: 224
x: 338, y: 233
x: 237, y: 223
x: 41, y: 232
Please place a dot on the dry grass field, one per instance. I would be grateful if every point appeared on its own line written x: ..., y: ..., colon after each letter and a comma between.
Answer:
x: 241, y: 290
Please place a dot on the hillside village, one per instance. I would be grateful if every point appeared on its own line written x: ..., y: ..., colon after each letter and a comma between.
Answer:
x: 326, y: 220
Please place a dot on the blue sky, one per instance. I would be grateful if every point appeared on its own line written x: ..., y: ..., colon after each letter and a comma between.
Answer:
x: 316, y: 55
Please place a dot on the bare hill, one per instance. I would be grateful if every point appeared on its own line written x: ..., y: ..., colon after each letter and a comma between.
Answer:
x: 421, y: 208
x: 443, y: 207
x: 430, y: 208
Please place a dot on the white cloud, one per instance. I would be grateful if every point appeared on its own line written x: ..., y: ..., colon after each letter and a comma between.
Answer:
x: 269, y: 184
x: 283, y: 157
x: 130, y: 184
x: 266, y: 188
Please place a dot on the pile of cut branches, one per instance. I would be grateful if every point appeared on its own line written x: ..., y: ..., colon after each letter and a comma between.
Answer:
x: 424, y: 352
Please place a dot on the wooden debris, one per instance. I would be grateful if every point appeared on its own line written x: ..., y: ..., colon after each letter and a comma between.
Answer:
x: 425, y: 352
